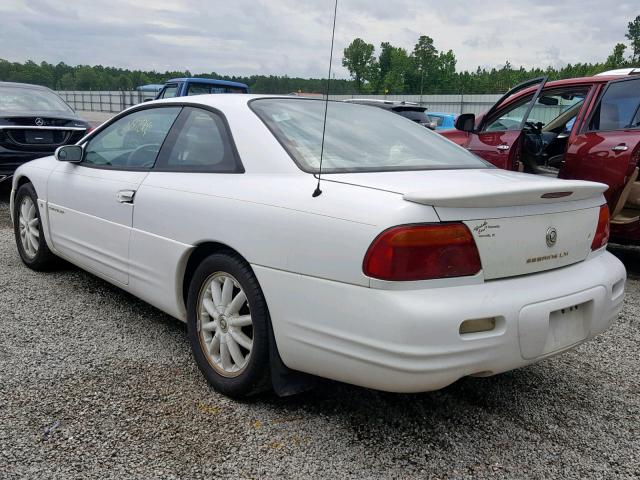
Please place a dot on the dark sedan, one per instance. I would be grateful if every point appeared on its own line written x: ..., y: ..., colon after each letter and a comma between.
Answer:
x: 34, y: 121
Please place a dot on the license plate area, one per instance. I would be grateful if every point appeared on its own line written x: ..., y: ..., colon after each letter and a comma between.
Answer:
x: 567, y: 326
x: 38, y: 137
x: 553, y: 325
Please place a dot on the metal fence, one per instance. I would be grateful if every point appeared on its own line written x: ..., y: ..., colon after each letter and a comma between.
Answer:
x: 104, y: 101
x: 116, y: 101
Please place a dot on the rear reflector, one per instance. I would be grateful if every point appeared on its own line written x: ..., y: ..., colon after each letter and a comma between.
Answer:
x: 478, y: 325
x: 423, y: 252
x: 601, y: 238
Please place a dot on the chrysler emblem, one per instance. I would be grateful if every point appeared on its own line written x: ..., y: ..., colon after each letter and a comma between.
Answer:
x: 552, y: 237
x: 39, y: 122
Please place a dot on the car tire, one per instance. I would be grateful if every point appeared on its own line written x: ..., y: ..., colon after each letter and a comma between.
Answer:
x: 216, y: 308
x: 29, y: 233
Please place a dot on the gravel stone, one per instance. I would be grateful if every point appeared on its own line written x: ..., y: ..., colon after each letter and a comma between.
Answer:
x: 97, y: 384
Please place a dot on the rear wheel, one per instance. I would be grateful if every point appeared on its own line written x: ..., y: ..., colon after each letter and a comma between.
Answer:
x: 228, y: 325
x: 32, y: 246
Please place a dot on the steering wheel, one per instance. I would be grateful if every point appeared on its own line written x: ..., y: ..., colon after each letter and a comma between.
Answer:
x: 535, y: 127
x: 141, y: 154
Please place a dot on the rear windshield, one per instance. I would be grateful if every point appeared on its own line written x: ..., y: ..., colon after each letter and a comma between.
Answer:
x: 30, y: 100
x: 358, y: 138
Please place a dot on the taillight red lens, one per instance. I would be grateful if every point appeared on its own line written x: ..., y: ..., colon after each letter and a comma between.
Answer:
x: 423, y: 252
x: 601, y: 238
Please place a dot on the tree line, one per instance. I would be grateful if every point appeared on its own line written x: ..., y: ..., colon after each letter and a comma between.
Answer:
x: 426, y: 70
x: 394, y: 70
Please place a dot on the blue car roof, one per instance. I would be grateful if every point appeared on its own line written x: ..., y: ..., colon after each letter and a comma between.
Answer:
x: 209, y: 81
x: 441, y: 114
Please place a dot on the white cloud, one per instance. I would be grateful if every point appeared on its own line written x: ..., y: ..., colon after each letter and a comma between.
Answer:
x: 292, y: 36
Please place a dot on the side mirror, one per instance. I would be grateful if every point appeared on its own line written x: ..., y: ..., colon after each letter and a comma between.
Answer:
x: 466, y: 122
x: 69, y: 153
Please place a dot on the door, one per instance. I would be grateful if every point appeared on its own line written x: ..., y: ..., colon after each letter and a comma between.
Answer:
x: 90, y: 204
x: 500, y: 131
x: 606, y: 149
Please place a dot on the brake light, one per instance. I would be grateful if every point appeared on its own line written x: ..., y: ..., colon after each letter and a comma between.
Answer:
x: 601, y: 238
x: 423, y: 252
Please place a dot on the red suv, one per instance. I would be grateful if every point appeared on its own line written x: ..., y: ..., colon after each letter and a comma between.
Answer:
x: 581, y: 128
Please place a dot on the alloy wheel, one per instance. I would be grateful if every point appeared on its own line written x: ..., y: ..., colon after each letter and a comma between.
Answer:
x: 225, y: 327
x: 29, y: 227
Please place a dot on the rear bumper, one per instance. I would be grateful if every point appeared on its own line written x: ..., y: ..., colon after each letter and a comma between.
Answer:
x: 409, y: 340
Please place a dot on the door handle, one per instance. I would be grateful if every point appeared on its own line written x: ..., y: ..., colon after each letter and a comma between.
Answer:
x: 125, y: 196
x: 620, y: 148
x: 503, y: 147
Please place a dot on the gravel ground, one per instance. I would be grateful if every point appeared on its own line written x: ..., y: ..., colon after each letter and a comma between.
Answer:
x: 95, y: 383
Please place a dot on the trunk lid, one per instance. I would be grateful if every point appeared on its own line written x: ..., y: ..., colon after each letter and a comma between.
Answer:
x: 521, y: 223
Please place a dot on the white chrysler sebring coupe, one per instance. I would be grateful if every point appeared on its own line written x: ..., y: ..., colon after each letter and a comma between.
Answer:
x: 418, y: 263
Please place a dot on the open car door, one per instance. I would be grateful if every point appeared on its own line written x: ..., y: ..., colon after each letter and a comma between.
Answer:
x: 499, y: 134
x: 607, y: 148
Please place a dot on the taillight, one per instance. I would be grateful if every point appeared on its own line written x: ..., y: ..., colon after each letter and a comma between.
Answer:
x: 423, y: 252
x: 601, y: 238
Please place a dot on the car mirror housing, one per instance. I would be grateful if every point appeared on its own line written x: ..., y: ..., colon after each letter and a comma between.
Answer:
x: 466, y: 122
x: 69, y: 153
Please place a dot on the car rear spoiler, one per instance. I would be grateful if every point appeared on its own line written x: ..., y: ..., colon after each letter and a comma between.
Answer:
x: 482, y: 196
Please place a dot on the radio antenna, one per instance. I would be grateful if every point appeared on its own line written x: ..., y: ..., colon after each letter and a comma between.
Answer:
x: 317, y: 191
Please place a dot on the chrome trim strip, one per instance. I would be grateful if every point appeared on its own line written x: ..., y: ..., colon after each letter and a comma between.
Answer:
x: 34, y: 127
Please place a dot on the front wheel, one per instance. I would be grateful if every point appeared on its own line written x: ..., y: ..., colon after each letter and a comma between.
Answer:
x: 28, y: 230
x: 228, y: 325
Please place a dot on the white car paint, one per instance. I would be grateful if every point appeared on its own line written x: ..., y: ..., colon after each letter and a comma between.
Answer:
x: 329, y: 318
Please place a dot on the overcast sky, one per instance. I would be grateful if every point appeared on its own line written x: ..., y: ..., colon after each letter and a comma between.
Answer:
x: 293, y: 36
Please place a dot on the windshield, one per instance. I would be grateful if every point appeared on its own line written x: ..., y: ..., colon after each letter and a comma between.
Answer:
x: 358, y: 138
x: 30, y: 100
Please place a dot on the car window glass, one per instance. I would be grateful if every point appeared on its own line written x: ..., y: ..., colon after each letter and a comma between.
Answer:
x: 357, y: 138
x: 618, y: 107
x: 21, y: 100
x: 132, y: 141
x: 553, y: 109
x: 198, y: 89
x: 170, y: 91
x: 199, y: 142
x: 510, y: 118
x: 436, y: 120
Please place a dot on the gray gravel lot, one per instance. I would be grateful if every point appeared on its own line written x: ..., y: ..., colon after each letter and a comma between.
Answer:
x: 113, y: 382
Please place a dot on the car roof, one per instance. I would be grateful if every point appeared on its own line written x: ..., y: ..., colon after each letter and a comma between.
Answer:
x: 23, y: 85
x: 566, y: 82
x: 208, y: 81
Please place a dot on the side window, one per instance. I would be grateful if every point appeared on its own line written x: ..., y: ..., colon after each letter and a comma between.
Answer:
x: 556, y: 110
x: 199, y: 142
x: 132, y: 141
x: 198, y: 89
x: 509, y: 118
x: 169, y: 91
x: 618, y: 107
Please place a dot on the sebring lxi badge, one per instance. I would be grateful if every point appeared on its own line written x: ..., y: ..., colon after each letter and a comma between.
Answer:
x: 552, y: 237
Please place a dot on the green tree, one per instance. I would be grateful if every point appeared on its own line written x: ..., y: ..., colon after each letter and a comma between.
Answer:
x: 359, y: 60
x: 634, y: 36
x: 394, y: 81
x: 616, y: 59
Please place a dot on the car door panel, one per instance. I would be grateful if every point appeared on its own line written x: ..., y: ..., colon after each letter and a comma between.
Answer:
x: 498, y: 148
x: 96, y: 232
x: 90, y: 204
x: 499, y: 143
x: 607, y: 148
